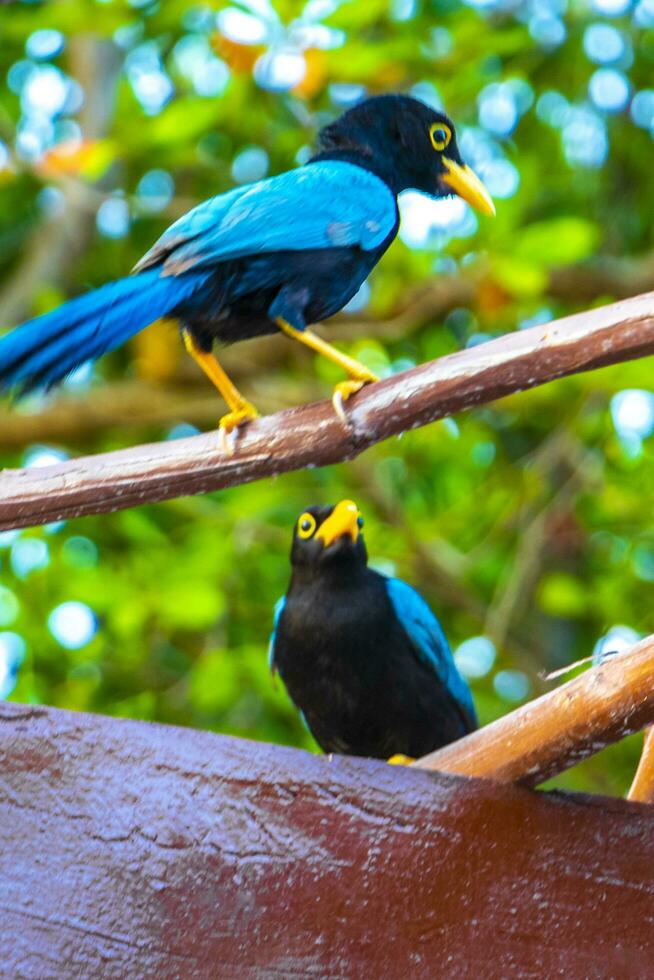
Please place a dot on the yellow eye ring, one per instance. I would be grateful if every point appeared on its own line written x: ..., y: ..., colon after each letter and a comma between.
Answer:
x: 306, y: 526
x: 440, y: 135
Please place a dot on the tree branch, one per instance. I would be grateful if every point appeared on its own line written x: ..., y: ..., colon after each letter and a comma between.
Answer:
x: 559, y: 729
x: 515, y: 587
x: 313, y: 435
x: 642, y: 787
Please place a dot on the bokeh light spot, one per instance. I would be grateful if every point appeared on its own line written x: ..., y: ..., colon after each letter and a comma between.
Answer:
x: 80, y: 552
x: 112, y: 218
x: 29, y: 555
x: 603, y: 44
x: 616, y: 640
x: 475, y: 657
x: 511, y: 685
x: 73, y: 624
x: 45, y: 91
x: 155, y: 190
x: 12, y: 654
x: 280, y: 70
x: 632, y: 412
x: 609, y: 89
x: 611, y: 8
x: 45, y: 43
x: 250, y: 164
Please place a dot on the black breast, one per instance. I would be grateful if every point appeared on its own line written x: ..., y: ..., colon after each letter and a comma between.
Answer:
x: 349, y: 666
x: 234, y: 303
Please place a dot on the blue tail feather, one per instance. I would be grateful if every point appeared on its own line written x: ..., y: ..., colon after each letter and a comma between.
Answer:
x: 45, y: 350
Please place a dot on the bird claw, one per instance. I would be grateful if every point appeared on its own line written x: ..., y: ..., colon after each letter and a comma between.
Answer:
x: 337, y: 402
x: 230, y: 424
x: 400, y: 760
x: 227, y: 440
x: 344, y: 389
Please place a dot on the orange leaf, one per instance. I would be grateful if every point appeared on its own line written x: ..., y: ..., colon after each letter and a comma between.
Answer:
x: 87, y: 158
x: 241, y: 58
x: 315, y: 75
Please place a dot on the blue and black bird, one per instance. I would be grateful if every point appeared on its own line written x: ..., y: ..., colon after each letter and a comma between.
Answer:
x: 362, y: 655
x: 275, y: 255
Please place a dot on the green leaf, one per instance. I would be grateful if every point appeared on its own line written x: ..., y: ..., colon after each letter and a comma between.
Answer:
x: 519, y: 277
x: 559, y: 241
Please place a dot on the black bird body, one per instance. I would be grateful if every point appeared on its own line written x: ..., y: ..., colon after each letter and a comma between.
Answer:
x: 346, y: 660
x: 347, y: 648
x: 309, y: 286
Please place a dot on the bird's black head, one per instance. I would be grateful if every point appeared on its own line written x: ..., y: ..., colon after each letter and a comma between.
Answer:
x: 329, y: 538
x: 406, y: 143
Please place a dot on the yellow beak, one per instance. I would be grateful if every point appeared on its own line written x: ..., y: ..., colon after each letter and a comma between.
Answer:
x: 342, y: 520
x: 467, y: 185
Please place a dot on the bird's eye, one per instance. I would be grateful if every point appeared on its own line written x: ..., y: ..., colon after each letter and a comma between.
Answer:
x: 306, y: 526
x: 440, y: 135
x: 360, y: 521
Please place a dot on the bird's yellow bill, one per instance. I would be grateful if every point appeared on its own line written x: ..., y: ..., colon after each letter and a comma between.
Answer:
x: 342, y: 520
x: 467, y: 185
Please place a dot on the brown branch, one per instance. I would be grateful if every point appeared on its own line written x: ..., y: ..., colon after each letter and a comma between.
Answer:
x: 642, y: 788
x: 559, y: 729
x: 313, y: 435
x: 140, y: 404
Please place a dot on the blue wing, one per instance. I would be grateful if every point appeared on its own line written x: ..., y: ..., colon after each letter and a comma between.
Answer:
x: 279, y: 609
x: 428, y: 639
x: 327, y: 204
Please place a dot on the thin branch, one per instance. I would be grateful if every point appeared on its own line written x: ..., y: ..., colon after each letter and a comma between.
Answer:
x: 559, y: 729
x: 314, y: 436
x: 642, y: 788
x: 515, y: 588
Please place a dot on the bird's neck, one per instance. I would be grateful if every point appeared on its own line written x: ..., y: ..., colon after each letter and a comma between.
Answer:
x: 334, y: 575
x: 361, y: 157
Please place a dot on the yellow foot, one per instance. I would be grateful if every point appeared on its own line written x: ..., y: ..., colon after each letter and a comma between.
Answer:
x: 232, y: 422
x: 400, y: 760
x: 344, y: 389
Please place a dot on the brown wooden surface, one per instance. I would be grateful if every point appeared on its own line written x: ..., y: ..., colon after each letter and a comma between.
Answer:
x: 559, y: 729
x: 313, y: 435
x: 135, y: 850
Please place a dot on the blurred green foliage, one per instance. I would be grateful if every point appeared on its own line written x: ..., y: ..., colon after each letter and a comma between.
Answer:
x: 527, y: 522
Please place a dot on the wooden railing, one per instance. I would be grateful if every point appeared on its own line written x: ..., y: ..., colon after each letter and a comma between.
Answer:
x: 136, y: 850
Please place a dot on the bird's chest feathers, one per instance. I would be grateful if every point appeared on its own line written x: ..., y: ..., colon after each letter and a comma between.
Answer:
x: 333, y: 637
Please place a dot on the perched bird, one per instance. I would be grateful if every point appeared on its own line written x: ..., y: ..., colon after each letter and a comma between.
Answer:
x: 362, y: 655
x: 274, y: 255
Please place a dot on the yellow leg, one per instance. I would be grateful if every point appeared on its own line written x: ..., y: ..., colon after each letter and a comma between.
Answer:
x: 240, y: 410
x: 358, y: 374
x: 400, y: 760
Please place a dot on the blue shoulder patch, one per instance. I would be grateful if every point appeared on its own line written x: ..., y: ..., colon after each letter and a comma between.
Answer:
x: 326, y: 204
x: 279, y: 609
x: 428, y: 639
